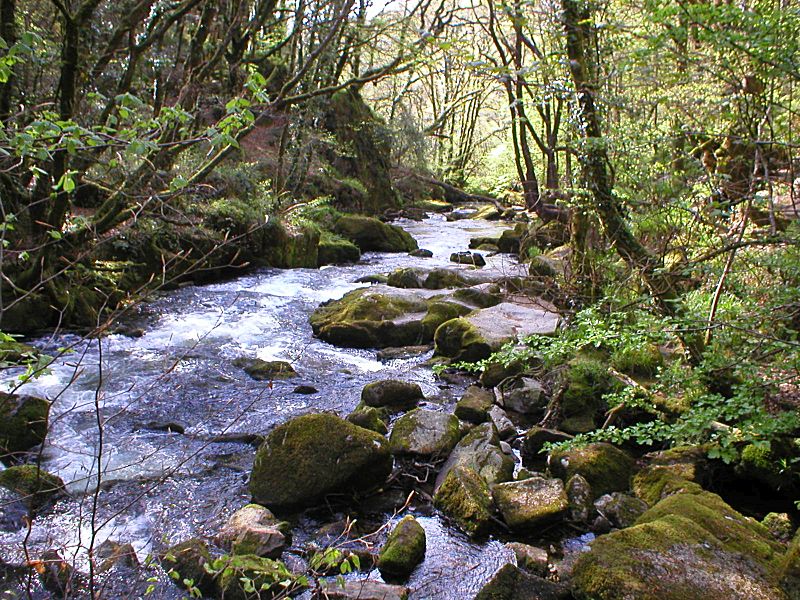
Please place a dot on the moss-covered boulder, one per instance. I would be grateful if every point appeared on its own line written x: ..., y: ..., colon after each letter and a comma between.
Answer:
x: 585, y: 382
x: 425, y: 433
x: 621, y: 510
x: 479, y: 296
x: 479, y: 450
x: 474, y: 404
x: 35, y: 486
x: 253, y: 529
x: 405, y: 278
x: 530, y: 503
x: 530, y: 558
x: 335, y: 250
x: 392, y: 394
x: 476, y: 336
x: 687, y: 546
x: 23, y: 422
x: 510, y: 238
x: 403, y: 551
x: 511, y: 583
x: 439, y: 279
x: 468, y: 258
x: 678, y: 470
x: 249, y: 577
x: 375, y: 317
x: 441, y: 311
x: 370, y: 418
x: 311, y: 456
x: 642, y: 361
x: 370, y: 234
x: 265, y: 370
x: 606, y: 467
x: 464, y: 497
x: 188, y: 561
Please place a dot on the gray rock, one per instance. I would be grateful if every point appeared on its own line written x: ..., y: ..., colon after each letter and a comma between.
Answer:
x: 421, y: 253
x: 530, y: 503
x: 392, y: 394
x: 579, y: 493
x: 511, y: 583
x: 474, y: 404
x: 530, y: 558
x: 468, y: 258
x: 533, y: 443
x: 403, y: 551
x: 621, y: 510
x: 364, y: 589
x: 425, y: 433
x: 464, y: 496
x: 253, y: 529
x: 524, y: 395
x: 505, y: 428
x: 479, y: 450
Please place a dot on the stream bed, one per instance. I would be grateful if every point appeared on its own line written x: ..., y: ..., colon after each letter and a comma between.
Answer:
x: 177, y: 415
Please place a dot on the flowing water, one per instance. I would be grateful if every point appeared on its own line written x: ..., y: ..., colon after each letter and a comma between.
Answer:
x: 158, y: 486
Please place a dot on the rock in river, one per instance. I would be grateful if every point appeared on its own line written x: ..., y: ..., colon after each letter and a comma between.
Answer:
x: 392, y: 394
x: 403, y: 550
x: 311, y: 456
x: 531, y: 502
x: 23, y: 422
x: 425, y: 433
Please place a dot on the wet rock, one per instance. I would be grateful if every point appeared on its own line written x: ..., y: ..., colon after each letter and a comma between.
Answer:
x: 670, y: 472
x: 421, y: 253
x: 305, y: 390
x: 511, y: 583
x: 35, y: 486
x: 474, y: 405
x: 621, y: 510
x: 23, y: 422
x: 505, y: 428
x: 188, y: 560
x: 370, y: 418
x: 477, y: 242
x: 509, y: 240
x: 530, y: 503
x: 530, y: 558
x: 335, y: 250
x: 686, y: 546
x: 476, y: 336
x: 440, y: 279
x: 370, y: 234
x: 364, y: 589
x: 165, y: 426
x: 405, y: 278
x: 402, y: 353
x: 534, y: 442
x: 479, y: 296
x: 425, y: 433
x: 468, y: 258
x: 464, y: 497
x: 57, y: 575
x: 524, y: 395
x: 253, y: 529
x: 14, y: 511
x: 265, y: 370
x: 479, y: 451
x: 392, y: 394
x: 116, y: 555
x: 239, y: 574
x: 403, y: 551
x: 303, y: 460
x: 581, y: 499
x: 606, y: 468
x: 376, y: 278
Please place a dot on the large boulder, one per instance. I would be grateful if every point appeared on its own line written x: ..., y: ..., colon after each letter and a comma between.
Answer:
x: 464, y: 497
x: 35, y: 486
x: 686, y: 546
x: 403, y: 551
x: 311, y: 456
x: 530, y: 503
x: 480, y: 451
x: 476, y: 336
x: 370, y: 234
x: 334, y: 250
x: 425, y: 433
x: 474, y: 404
x: 23, y: 422
x: 392, y: 394
x: 511, y: 583
x: 606, y: 467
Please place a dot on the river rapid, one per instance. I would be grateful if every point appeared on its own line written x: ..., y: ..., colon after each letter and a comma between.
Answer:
x: 176, y: 415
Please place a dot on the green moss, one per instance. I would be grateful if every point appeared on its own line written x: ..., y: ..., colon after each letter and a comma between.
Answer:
x: 655, y: 482
x: 334, y: 250
x: 441, y: 311
x: 789, y: 569
x: 405, y: 278
x: 404, y: 549
x: 265, y: 370
x: 586, y: 381
x: 440, y: 279
x: 425, y: 433
x: 370, y: 418
x: 23, y: 422
x: 605, y: 467
x: 249, y: 577
x: 464, y: 497
x: 779, y: 525
x: 643, y: 360
x: 477, y: 297
x: 317, y: 454
x: 474, y: 405
x: 392, y: 395
x: 370, y: 234
x: 459, y: 340
x: 34, y: 485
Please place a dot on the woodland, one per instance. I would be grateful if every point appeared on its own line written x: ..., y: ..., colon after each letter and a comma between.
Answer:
x: 639, y: 161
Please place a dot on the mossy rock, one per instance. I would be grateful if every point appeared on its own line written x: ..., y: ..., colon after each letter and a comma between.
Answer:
x: 392, y: 395
x: 687, y: 546
x: 606, y: 467
x: 374, y: 317
x: 249, y: 577
x: 370, y: 234
x: 335, y: 250
x: 460, y: 340
x: 479, y: 241
x: 440, y: 279
x: 509, y: 241
x: 425, y: 433
x: 188, y: 561
x: 314, y: 455
x: 403, y: 551
x: 36, y: 486
x: 789, y: 569
x: 479, y: 450
x: 678, y: 470
x: 779, y: 525
x: 511, y: 583
x: 23, y: 422
x: 474, y: 405
x: 464, y: 497
x: 253, y: 529
x: 586, y: 381
x: 405, y: 278
x: 531, y: 503
x: 488, y: 212
x: 641, y: 361
x: 441, y: 311
x: 265, y: 370
x: 370, y: 418
x: 289, y: 247
x: 477, y: 297
x: 530, y: 558
x: 534, y: 442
